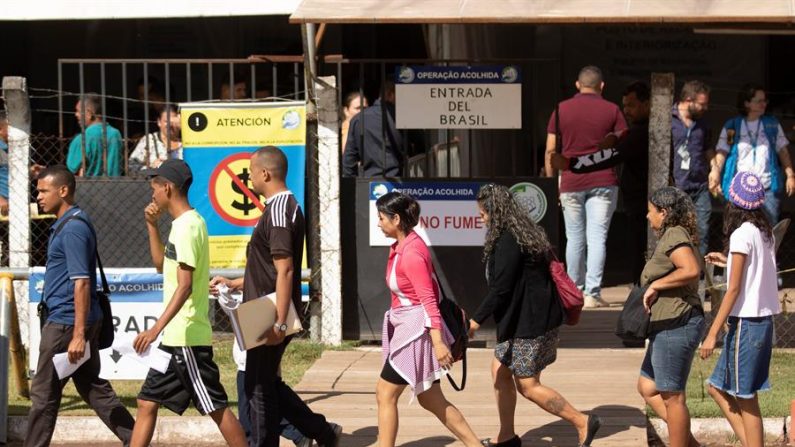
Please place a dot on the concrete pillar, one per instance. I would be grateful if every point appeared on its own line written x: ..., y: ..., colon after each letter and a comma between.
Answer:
x: 17, y: 104
x: 329, y: 191
x: 662, y: 97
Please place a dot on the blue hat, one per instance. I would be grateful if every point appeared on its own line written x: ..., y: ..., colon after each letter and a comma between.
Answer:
x: 746, y: 191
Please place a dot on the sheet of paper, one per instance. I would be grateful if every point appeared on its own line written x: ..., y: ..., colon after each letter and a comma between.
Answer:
x: 157, y: 359
x: 228, y: 300
x: 152, y: 357
x: 64, y: 368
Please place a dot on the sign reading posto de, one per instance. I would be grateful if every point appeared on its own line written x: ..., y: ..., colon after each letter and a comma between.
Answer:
x: 474, y: 97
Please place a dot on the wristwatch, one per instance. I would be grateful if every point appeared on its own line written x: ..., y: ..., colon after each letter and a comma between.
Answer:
x: 280, y: 327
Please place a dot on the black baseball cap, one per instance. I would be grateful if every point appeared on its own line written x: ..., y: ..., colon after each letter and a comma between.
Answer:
x: 174, y: 170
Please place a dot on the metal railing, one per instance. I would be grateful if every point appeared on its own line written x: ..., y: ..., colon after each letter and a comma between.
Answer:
x: 368, y: 75
x: 166, y: 82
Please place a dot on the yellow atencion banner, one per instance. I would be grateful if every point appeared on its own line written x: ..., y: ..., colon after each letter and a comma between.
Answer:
x: 218, y: 140
x: 243, y: 125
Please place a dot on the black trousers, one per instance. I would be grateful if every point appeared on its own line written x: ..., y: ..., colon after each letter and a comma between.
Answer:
x: 270, y: 400
x: 46, y: 388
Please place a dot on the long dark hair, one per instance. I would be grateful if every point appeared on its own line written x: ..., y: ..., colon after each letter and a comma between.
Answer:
x: 399, y: 204
x: 505, y: 214
x: 734, y: 217
x: 679, y: 209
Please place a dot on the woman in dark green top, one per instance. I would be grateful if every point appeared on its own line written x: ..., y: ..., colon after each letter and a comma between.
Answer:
x: 677, y: 319
x: 525, y: 306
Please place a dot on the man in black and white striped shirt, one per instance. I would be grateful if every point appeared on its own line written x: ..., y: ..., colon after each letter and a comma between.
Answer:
x: 274, y: 257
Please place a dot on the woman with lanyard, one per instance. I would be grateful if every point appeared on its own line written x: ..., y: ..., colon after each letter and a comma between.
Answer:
x: 754, y: 142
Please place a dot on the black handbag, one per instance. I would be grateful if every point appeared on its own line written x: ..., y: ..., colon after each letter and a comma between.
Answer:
x: 107, y: 332
x: 633, y: 321
x: 457, y: 322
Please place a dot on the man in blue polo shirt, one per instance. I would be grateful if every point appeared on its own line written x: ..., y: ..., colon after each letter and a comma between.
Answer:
x: 74, y: 317
x: 691, y: 139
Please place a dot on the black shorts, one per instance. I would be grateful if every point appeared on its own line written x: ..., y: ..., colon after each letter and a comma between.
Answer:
x: 389, y: 374
x: 192, y: 375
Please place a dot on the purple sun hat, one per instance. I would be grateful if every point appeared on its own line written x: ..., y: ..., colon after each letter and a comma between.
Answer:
x: 746, y: 191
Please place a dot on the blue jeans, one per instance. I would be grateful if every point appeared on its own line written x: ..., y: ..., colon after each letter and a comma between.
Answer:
x: 703, y: 204
x: 772, y: 206
x: 670, y: 355
x: 587, y: 216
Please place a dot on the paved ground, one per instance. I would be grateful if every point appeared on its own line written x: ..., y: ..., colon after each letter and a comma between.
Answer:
x: 341, y: 385
x: 593, y: 371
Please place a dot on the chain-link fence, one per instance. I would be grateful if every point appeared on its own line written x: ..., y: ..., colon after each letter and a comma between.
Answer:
x: 785, y: 258
x: 131, y: 119
x: 116, y: 203
x: 115, y: 206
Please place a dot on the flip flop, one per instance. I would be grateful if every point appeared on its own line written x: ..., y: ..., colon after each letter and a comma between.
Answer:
x: 594, y: 423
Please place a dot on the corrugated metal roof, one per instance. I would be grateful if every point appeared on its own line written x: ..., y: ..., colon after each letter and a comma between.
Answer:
x: 29, y: 10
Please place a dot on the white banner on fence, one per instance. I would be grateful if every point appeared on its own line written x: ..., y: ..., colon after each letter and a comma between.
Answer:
x: 136, y: 301
x: 479, y: 97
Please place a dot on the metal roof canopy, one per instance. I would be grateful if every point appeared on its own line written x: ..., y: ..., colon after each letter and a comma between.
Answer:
x: 771, y: 12
x: 140, y: 9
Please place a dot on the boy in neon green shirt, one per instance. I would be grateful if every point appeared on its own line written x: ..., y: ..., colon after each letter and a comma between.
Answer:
x: 184, y: 259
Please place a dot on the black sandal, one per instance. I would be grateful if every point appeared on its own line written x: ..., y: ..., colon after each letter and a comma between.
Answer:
x: 513, y: 442
x: 594, y: 423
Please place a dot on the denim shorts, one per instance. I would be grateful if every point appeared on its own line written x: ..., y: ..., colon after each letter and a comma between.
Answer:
x: 670, y: 355
x: 744, y: 362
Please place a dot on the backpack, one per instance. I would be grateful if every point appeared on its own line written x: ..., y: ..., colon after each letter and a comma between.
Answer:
x: 107, y: 331
x: 457, y: 323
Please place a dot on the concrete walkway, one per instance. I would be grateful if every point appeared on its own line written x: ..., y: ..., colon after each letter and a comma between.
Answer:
x: 341, y: 385
x: 594, y: 372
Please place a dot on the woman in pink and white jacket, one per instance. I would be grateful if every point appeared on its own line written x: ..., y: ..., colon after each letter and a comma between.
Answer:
x: 415, y: 339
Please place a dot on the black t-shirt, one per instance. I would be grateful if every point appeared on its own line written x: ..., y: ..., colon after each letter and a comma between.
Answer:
x: 279, y: 232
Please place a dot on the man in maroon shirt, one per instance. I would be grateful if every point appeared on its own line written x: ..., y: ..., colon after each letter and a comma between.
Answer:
x: 586, y: 124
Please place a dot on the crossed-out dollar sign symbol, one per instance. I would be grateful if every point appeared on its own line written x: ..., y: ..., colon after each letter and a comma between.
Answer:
x: 246, y: 206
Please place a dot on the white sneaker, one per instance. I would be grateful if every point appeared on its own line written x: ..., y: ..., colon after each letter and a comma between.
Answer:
x: 592, y: 302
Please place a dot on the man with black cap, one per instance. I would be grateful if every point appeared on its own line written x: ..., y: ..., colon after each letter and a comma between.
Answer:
x: 184, y: 261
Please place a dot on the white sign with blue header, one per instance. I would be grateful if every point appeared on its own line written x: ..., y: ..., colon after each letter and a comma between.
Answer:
x: 449, y: 212
x: 136, y: 299
x: 136, y: 302
x: 473, y: 97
